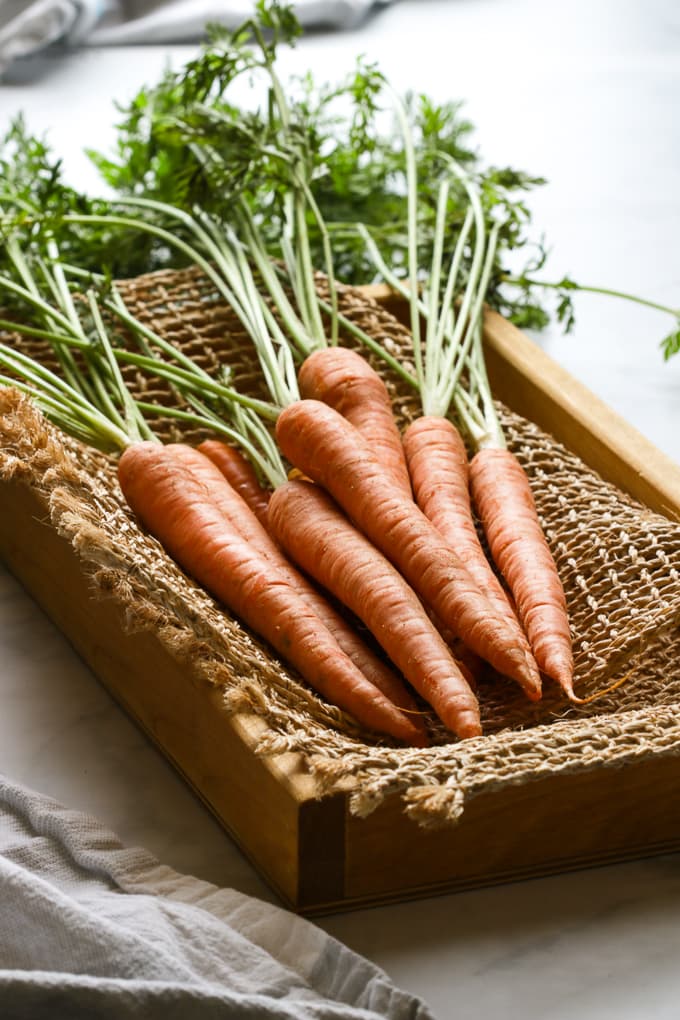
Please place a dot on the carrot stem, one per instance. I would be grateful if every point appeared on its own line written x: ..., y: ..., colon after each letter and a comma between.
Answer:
x: 584, y: 288
x: 61, y: 402
x: 412, y: 221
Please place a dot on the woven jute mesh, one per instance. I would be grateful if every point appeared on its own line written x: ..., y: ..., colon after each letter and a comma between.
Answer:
x: 618, y: 561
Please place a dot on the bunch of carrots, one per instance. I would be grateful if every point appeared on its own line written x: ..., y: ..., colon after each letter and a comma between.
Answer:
x: 351, y: 511
x: 347, y: 528
x: 352, y: 527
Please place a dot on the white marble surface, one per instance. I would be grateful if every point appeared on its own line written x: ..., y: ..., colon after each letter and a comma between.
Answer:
x: 587, y: 95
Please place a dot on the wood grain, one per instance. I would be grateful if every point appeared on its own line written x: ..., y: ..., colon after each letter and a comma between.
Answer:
x: 543, y: 826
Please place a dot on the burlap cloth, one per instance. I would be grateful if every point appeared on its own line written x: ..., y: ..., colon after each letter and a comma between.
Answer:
x: 618, y: 562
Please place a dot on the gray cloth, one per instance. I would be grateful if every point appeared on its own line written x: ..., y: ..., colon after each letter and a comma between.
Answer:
x: 91, y: 929
x: 27, y: 27
x: 172, y: 21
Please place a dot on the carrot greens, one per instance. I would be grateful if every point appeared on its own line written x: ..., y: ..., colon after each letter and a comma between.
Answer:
x: 72, y: 322
x: 326, y: 158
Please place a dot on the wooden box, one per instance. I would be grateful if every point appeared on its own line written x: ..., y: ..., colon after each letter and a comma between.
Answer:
x: 313, y: 852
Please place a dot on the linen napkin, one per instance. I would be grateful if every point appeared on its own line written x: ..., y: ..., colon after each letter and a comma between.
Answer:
x: 90, y: 928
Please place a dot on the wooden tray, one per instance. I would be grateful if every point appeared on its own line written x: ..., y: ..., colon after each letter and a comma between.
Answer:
x: 315, y: 855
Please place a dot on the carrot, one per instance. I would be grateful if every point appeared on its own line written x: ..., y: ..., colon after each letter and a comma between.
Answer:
x: 175, y: 503
x: 470, y: 664
x: 343, y: 560
x: 439, y: 469
x: 171, y: 490
x: 259, y: 538
x: 319, y: 441
x: 240, y: 474
x: 345, y: 381
x: 451, y: 374
x: 504, y: 501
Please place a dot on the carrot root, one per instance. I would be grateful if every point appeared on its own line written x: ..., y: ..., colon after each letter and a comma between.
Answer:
x: 256, y: 530
x: 343, y: 379
x: 240, y: 474
x: 329, y: 450
x: 170, y: 489
x: 439, y: 469
x: 316, y: 533
x: 505, y: 504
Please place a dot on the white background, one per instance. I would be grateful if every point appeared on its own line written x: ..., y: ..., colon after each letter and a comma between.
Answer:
x: 587, y: 95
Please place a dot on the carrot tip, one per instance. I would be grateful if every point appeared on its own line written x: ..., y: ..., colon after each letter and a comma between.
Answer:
x: 468, y: 725
x: 466, y: 732
x: 567, y: 685
x: 576, y: 700
x: 530, y: 679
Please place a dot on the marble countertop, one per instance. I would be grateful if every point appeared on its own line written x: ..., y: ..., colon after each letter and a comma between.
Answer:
x: 585, y: 94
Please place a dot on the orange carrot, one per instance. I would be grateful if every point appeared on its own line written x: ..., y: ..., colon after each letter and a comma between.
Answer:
x: 175, y: 503
x: 439, y: 469
x: 233, y: 506
x: 505, y: 504
x: 328, y: 547
x: 240, y: 474
x: 319, y: 441
x: 470, y: 664
x: 346, y: 382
